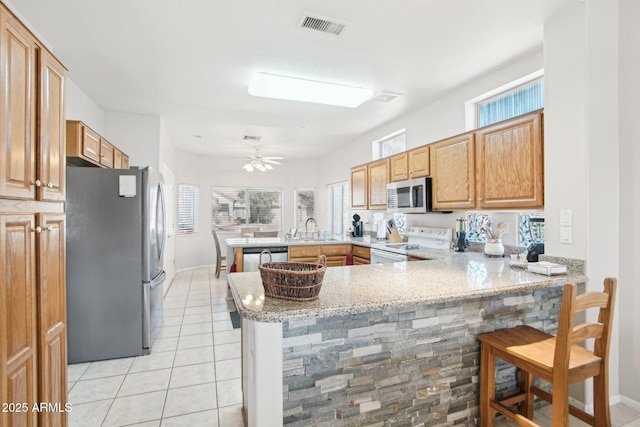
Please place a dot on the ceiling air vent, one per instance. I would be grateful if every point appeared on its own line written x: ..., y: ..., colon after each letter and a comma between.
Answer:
x: 251, y: 138
x: 386, y: 97
x: 322, y: 24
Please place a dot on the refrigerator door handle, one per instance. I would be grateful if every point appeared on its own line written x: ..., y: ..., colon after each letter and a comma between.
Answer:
x: 149, y: 312
x: 161, y: 219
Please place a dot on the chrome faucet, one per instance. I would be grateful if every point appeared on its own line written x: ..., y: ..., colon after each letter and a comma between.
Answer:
x: 306, y: 227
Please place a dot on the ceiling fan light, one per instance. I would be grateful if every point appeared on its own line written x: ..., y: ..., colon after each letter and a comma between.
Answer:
x: 294, y: 89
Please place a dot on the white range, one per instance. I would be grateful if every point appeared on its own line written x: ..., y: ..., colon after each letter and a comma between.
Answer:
x: 433, y: 240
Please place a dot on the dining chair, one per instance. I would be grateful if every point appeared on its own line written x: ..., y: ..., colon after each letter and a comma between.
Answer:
x: 558, y: 360
x: 219, y: 256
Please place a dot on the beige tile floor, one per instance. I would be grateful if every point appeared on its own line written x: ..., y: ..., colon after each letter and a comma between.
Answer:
x: 621, y: 416
x: 192, y: 376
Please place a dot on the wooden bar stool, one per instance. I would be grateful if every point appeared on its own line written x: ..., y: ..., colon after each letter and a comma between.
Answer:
x: 555, y: 359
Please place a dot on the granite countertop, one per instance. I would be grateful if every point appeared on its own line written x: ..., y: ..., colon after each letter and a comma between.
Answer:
x: 365, y: 288
x: 264, y: 242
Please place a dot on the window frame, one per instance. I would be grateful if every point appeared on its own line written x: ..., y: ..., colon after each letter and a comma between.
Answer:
x: 248, y: 190
x: 346, y: 206
x: 471, y: 106
x: 377, y: 145
x: 296, y: 191
x: 192, y: 223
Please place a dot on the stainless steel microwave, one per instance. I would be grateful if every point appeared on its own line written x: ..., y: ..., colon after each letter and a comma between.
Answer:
x: 410, y: 196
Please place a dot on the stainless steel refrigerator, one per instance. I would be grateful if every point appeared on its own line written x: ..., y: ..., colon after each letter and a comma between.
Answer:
x: 115, y: 276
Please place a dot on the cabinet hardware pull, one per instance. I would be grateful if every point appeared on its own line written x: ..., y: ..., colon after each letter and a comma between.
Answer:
x: 36, y: 230
x: 48, y: 228
x: 38, y: 183
x: 50, y: 185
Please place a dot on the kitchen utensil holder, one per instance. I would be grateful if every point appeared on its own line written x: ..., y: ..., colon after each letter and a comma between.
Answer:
x: 494, y: 247
x: 294, y: 281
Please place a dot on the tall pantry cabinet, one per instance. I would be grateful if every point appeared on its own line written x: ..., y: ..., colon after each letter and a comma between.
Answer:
x: 33, y: 359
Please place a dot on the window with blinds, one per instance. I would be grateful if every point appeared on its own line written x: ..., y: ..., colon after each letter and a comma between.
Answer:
x: 241, y: 206
x: 338, y: 208
x: 305, y: 206
x: 188, y: 201
x: 520, y: 100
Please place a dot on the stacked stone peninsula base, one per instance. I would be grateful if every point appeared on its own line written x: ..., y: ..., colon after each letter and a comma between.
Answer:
x: 386, y: 361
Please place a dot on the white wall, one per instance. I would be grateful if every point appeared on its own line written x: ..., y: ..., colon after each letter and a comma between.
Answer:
x: 206, y: 171
x: 138, y: 135
x: 629, y: 136
x: 440, y: 119
x: 80, y: 107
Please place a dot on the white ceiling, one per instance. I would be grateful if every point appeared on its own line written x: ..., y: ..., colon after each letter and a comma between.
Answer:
x: 191, y: 61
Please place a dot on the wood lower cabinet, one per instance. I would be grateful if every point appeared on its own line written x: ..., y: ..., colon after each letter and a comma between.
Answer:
x: 453, y: 172
x: 18, y: 319
x: 33, y: 350
x: 361, y: 255
x: 509, y: 164
x: 336, y: 254
x: 52, y: 303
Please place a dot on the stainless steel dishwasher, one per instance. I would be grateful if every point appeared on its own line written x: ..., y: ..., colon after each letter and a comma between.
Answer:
x: 251, y: 256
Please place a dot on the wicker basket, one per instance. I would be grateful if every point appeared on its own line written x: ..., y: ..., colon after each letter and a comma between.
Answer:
x: 295, y: 281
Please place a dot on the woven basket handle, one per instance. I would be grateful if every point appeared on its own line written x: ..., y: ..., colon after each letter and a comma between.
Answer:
x: 265, y: 252
x: 322, y: 261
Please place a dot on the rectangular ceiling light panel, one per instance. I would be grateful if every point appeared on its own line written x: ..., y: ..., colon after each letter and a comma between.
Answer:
x: 294, y: 89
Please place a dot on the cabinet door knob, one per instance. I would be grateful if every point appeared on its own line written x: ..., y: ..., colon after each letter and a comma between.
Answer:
x: 38, y: 183
x: 38, y: 229
x: 50, y: 185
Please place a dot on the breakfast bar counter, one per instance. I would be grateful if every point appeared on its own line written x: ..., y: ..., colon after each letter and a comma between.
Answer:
x: 385, y: 344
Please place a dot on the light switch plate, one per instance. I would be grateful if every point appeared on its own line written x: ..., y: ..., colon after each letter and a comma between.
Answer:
x: 566, y: 234
x: 566, y: 217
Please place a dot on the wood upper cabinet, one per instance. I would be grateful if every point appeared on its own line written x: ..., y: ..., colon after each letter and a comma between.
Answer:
x: 51, y: 135
x: 378, y: 177
x: 359, y: 187
x: 85, y: 147
x: 120, y: 160
x: 31, y: 117
x: 509, y: 164
x: 409, y: 164
x: 52, y: 308
x: 18, y: 324
x: 418, y: 160
x: 106, y: 153
x: 83, y: 143
x: 18, y: 58
x: 399, y: 167
x: 453, y: 172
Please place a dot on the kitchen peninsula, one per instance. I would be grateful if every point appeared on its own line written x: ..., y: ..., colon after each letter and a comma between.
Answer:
x: 384, y: 344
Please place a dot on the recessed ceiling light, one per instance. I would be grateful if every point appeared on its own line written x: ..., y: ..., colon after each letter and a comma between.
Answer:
x: 197, y: 136
x: 294, y: 89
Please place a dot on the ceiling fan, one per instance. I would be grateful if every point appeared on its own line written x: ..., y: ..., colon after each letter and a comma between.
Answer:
x: 261, y: 163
